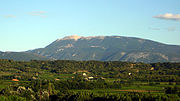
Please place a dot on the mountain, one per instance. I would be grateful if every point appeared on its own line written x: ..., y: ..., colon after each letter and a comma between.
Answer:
x: 21, y: 56
x: 110, y: 48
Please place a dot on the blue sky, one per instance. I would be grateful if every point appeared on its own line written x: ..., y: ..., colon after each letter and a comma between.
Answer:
x: 30, y: 24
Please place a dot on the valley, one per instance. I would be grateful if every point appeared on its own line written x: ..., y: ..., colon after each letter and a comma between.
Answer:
x: 88, y: 80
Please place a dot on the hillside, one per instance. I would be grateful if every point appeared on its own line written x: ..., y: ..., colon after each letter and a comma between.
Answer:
x: 21, y: 56
x: 110, y: 48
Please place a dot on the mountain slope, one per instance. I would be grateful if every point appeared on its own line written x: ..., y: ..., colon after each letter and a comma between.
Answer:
x: 21, y: 56
x: 110, y: 48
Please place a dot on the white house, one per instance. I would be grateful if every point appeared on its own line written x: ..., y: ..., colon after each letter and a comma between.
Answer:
x: 90, y: 78
x: 84, y: 74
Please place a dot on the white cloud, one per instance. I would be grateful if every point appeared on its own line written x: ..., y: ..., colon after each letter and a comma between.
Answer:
x: 9, y: 16
x: 168, y: 16
x: 38, y: 13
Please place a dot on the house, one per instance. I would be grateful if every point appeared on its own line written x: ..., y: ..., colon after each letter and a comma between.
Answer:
x: 84, y: 74
x: 132, y: 65
x: 102, y: 78
x: 57, y: 79
x: 152, y: 68
x: 15, y: 80
x: 90, y: 78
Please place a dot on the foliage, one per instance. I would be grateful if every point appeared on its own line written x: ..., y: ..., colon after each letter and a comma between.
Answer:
x: 69, y: 80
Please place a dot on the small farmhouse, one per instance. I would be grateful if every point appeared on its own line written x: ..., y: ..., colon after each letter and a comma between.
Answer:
x: 15, y: 80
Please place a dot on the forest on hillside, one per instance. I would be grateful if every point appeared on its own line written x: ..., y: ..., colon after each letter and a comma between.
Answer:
x: 67, y: 80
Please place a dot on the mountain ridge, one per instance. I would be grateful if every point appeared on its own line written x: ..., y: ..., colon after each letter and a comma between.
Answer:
x: 110, y: 48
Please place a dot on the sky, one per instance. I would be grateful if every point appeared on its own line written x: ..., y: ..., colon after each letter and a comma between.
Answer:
x: 30, y: 24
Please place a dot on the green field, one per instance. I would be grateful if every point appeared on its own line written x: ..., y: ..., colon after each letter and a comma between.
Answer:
x: 88, y: 80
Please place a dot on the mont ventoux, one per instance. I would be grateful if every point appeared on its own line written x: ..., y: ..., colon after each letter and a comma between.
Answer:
x: 101, y: 48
